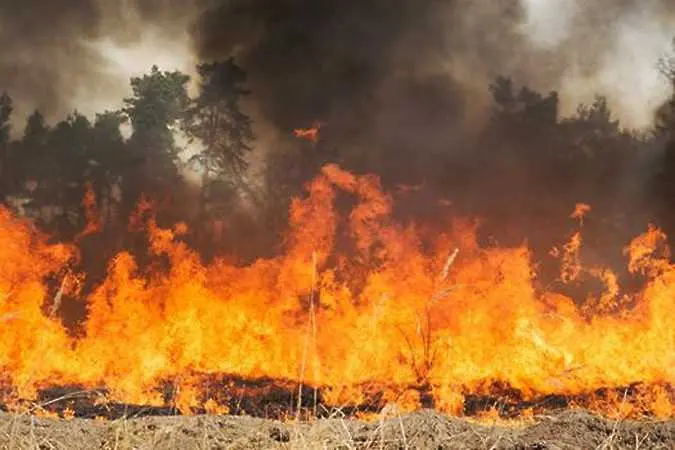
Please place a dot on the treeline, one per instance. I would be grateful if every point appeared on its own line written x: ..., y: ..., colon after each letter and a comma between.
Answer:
x: 43, y: 174
x: 522, y: 173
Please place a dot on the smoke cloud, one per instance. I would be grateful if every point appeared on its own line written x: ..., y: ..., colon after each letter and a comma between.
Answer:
x: 379, y: 72
x: 610, y: 47
x: 412, y: 77
x: 314, y: 59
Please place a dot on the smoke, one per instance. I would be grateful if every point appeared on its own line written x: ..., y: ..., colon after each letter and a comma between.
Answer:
x: 609, y: 47
x: 386, y: 68
x: 378, y: 72
x: 58, y: 56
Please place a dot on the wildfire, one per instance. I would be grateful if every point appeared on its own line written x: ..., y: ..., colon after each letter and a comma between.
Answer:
x: 415, y: 325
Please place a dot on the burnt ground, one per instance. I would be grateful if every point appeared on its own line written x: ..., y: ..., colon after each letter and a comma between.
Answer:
x: 277, y: 399
x: 566, y: 429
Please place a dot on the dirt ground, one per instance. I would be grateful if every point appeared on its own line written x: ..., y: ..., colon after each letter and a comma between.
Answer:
x: 571, y: 429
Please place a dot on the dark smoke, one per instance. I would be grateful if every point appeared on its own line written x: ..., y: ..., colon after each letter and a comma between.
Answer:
x: 403, y: 72
x: 368, y: 69
x: 374, y: 69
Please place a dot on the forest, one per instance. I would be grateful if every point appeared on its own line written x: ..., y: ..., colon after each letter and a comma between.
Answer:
x: 521, y: 173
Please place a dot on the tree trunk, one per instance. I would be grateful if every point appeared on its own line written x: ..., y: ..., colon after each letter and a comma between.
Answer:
x: 202, y: 214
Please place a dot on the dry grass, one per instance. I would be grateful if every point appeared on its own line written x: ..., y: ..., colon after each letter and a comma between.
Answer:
x: 566, y: 430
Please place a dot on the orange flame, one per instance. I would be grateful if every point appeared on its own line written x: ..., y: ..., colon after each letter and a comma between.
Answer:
x: 91, y: 212
x: 391, y: 314
x: 310, y: 134
x: 580, y: 211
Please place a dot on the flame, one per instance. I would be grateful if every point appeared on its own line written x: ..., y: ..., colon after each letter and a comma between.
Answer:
x: 580, y: 211
x: 387, y: 314
x: 310, y: 134
x: 91, y: 213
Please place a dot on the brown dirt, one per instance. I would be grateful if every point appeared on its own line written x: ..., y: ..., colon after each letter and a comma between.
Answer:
x: 571, y: 429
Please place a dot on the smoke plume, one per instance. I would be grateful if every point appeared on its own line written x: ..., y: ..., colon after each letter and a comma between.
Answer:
x: 415, y: 64
x: 379, y: 72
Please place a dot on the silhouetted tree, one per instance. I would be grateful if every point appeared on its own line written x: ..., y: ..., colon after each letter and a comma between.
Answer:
x: 6, y: 109
x: 69, y: 145
x: 30, y: 160
x: 36, y: 131
x: 665, y: 115
x: 520, y: 147
x: 529, y: 166
x: 158, y: 103
x: 216, y: 120
x: 597, y: 149
x: 109, y: 160
x: 664, y: 177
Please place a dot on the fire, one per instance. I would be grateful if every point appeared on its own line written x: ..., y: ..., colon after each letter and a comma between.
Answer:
x: 91, y: 212
x: 387, y: 315
x: 580, y: 210
x: 310, y: 134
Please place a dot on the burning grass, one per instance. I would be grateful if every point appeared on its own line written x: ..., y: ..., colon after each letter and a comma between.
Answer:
x: 357, y: 313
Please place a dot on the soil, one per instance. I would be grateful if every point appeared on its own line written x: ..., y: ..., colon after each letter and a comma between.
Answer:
x: 568, y: 429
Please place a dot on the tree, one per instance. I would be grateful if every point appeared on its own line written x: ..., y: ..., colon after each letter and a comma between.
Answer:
x: 29, y: 158
x: 527, y: 110
x: 69, y: 145
x: 20, y: 160
x: 6, y: 109
x: 27, y: 167
x: 158, y: 103
x: 665, y: 115
x: 216, y: 120
x: 109, y: 161
x: 664, y: 172
x: 107, y: 128
x: 36, y: 131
